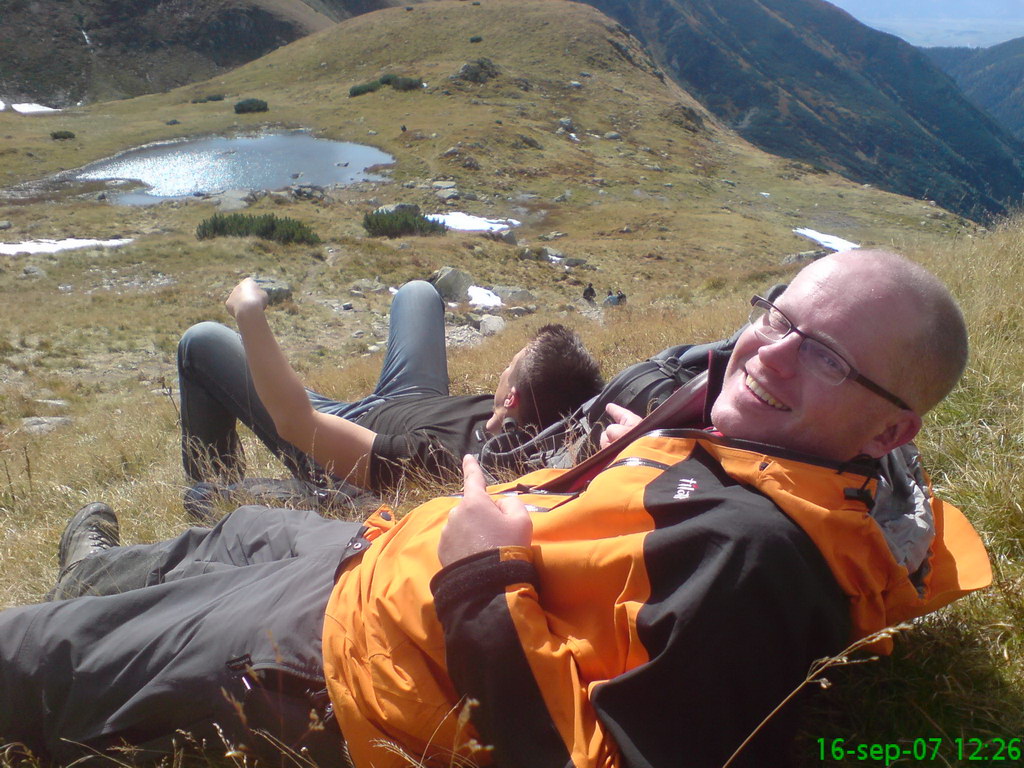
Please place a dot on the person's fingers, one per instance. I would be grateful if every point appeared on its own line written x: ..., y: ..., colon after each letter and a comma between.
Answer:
x: 621, y: 415
x: 473, y: 480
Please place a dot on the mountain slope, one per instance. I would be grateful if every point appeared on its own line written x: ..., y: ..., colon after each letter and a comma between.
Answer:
x: 993, y: 78
x: 61, y: 52
x: 803, y: 79
x: 645, y: 183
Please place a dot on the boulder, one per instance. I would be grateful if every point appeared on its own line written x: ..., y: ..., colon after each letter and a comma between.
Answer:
x: 453, y: 284
x: 40, y: 425
x: 399, y: 208
x: 477, y: 71
x: 367, y: 285
x: 512, y: 294
x: 491, y: 324
x: 277, y: 290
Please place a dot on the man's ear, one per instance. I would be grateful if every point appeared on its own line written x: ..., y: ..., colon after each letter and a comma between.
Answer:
x: 900, y: 430
x: 512, y: 398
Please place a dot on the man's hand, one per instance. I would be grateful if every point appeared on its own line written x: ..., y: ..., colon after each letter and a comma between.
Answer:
x: 246, y: 296
x: 478, y: 522
x: 624, y: 420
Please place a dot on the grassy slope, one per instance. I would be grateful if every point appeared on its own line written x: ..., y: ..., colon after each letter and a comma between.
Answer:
x: 100, y: 328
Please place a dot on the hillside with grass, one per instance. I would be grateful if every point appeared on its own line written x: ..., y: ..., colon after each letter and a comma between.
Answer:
x: 652, y: 192
x: 61, y: 53
x: 803, y: 79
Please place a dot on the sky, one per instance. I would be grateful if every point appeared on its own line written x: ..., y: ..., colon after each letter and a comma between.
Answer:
x: 972, y: 23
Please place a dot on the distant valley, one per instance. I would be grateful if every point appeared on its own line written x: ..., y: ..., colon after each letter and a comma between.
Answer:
x: 993, y: 78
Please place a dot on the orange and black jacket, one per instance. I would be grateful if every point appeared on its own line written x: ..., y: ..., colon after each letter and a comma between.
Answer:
x: 668, y: 602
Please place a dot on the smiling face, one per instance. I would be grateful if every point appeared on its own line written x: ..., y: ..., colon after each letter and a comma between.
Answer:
x: 768, y: 396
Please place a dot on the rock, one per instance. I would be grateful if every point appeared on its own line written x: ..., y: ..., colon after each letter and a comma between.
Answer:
x: 564, y: 197
x: 472, y: 319
x: 232, y: 199
x: 470, y: 163
x: 567, y: 125
x: 502, y: 236
x: 547, y: 253
x: 526, y: 253
x: 62, y: 404
x: 575, y: 261
x: 366, y: 285
x: 492, y: 324
x: 613, y: 136
x: 5, y: 224
x: 477, y: 71
x: 528, y: 141
x: 453, y: 284
x: 804, y: 257
x: 513, y: 294
x: 575, y: 84
x: 522, y: 311
x: 444, y: 184
x: 40, y: 425
x: 551, y: 236
x: 373, y: 348
x: 307, y: 192
x: 32, y: 272
x: 445, y: 195
x: 358, y: 334
x: 173, y: 121
x: 277, y: 290
x: 399, y: 208
x: 347, y: 306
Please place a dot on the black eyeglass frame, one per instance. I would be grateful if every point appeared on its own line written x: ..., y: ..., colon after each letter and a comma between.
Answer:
x: 761, y: 303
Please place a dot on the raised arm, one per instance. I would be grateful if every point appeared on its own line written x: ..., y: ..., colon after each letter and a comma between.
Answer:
x: 339, y: 445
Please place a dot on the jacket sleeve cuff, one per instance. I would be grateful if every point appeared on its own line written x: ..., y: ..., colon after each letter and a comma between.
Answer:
x: 481, y: 576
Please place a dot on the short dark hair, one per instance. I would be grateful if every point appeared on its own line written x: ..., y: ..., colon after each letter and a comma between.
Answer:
x: 555, y: 376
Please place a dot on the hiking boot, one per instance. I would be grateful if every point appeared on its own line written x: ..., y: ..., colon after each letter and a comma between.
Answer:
x: 92, y: 529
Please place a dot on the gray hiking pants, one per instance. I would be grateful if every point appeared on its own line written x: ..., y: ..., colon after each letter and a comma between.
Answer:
x: 217, y: 389
x: 211, y: 624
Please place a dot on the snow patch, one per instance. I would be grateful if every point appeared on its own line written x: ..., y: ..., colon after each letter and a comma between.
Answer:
x: 32, y: 109
x: 2, y: 106
x: 482, y: 298
x: 52, y: 246
x: 464, y: 222
x: 828, y: 241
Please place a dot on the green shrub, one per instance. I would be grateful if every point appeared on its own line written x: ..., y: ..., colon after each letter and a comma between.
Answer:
x: 211, y: 97
x: 407, y: 83
x: 250, y: 105
x: 476, y: 39
x: 268, y: 226
x: 359, y: 90
x: 60, y: 135
x: 400, y: 223
x: 397, y: 82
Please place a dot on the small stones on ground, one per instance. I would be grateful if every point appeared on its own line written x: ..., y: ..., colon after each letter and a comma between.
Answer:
x: 41, y: 425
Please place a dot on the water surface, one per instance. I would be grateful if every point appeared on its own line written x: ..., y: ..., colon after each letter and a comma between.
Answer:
x: 204, y: 166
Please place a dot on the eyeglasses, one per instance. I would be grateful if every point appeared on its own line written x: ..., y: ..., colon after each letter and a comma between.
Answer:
x: 771, y: 325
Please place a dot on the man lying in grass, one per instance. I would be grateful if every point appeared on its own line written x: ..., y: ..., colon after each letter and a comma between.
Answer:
x: 648, y: 607
x: 408, y: 423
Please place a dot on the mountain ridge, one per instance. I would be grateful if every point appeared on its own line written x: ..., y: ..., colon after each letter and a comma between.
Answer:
x: 992, y: 78
x: 62, y: 53
x: 805, y: 80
